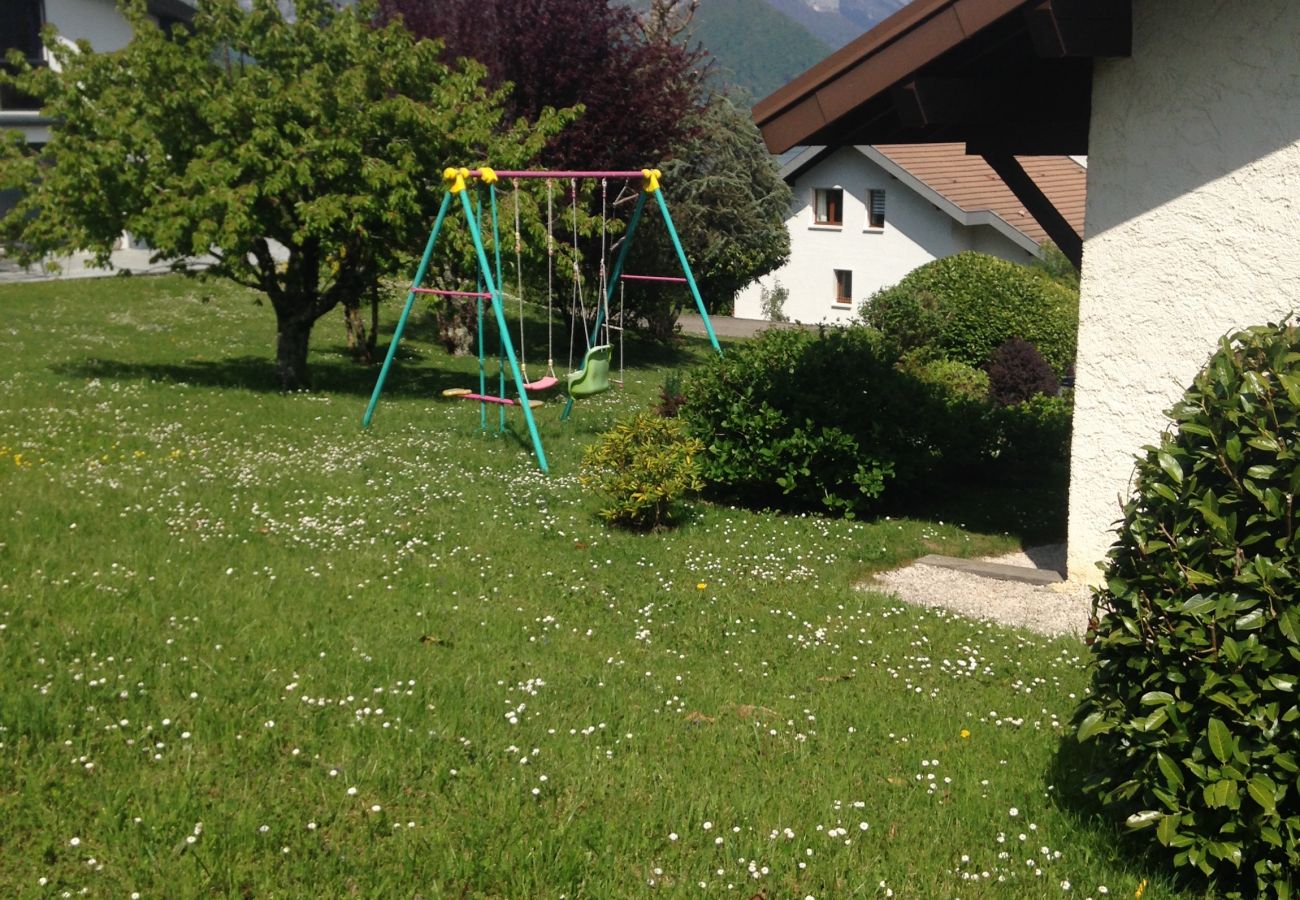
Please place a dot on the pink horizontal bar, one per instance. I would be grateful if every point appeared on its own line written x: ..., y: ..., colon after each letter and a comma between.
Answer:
x: 452, y: 293
x: 667, y: 278
x: 476, y: 173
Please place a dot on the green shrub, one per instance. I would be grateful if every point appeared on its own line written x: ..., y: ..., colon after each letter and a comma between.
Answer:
x: 781, y: 417
x: 671, y: 397
x: 1033, y: 435
x: 965, y: 306
x: 647, y: 467
x: 830, y: 420
x: 813, y: 420
x: 956, y: 379
x: 772, y: 302
x: 1193, y: 707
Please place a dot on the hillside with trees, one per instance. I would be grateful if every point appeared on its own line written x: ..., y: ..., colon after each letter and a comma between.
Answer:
x: 757, y: 49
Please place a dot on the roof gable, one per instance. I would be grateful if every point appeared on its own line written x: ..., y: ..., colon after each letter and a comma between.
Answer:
x: 967, y: 189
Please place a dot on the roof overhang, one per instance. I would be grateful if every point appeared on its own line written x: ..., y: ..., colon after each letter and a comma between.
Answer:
x: 1005, y: 77
x: 1002, y: 76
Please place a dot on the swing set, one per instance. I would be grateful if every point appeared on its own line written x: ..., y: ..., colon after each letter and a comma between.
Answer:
x: 594, y: 375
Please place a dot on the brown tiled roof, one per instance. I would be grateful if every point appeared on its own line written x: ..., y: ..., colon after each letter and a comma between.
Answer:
x: 968, y: 182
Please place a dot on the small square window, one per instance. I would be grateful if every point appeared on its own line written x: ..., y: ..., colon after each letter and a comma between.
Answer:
x: 843, y: 287
x: 875, y: 208
x: 828, y: 206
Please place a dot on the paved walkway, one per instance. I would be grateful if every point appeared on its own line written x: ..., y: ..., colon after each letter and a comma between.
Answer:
x: 730, y: 326
x: 78, y: 265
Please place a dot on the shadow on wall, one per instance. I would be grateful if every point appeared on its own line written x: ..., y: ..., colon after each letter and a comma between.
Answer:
x: 1210, y: 90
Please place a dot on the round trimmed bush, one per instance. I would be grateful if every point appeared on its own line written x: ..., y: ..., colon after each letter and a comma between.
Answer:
x: 1194, y: 711
x: 965, y: 306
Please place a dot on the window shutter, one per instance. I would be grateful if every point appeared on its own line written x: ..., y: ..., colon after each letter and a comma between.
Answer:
x: 877, y: 212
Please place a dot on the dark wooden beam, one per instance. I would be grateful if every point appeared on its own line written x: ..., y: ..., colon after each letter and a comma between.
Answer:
x: 1037, y: 96
x: 1061, y: 138
x: 1038, y: 206
x: 1080, y: 28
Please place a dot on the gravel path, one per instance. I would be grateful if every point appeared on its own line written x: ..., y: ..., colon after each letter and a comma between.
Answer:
x: 1053, y: 610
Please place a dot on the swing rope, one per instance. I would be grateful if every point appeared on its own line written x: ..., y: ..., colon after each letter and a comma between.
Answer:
x: 577, y: 306
x: 550, y: 274
x: 604, y: 280
x: 519, y: 282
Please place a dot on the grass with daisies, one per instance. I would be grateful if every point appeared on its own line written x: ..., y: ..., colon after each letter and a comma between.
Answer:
x: 248, y: 648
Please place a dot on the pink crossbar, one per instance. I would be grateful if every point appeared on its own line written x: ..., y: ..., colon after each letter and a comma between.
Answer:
x: 476, y: 173
x: 669, y: 278
x: 452, y: 293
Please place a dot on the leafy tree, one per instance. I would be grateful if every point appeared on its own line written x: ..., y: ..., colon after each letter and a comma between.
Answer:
x: 319, y: 133
x: 636, y: 92
x: 729, y: 202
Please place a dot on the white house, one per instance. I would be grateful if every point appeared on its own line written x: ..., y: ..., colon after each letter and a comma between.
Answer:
x: 98, y: 21
x: 864, y: 216
x: 1187, y: 111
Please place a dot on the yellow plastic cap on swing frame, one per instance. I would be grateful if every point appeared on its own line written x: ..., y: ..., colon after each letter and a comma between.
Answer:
x: 455, y: 178
x: 489, y: 176
x: 650, y: 180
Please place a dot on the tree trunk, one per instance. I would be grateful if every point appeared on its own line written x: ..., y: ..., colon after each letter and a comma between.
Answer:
x: 373, y: 341
x: 293, y: 334
x: 355, y: 325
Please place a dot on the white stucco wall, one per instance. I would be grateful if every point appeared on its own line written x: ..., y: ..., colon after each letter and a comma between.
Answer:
x: 916, y: 232
x: 1193, y: 224
x: 97, y: 21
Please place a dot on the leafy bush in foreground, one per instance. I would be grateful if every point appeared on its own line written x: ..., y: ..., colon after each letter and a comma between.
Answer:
x: 1197, y: 649
x: 647, y: 466
x: 965, y: 306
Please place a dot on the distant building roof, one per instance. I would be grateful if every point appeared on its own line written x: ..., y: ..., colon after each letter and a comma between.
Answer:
x: 969, y: 190
x: 970, y: 184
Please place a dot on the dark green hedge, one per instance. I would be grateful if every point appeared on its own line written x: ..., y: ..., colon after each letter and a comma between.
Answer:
x: 832, y: 420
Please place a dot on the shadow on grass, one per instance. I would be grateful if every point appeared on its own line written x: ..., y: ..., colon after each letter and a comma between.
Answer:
x: 332, y: 370
x: 1030, y: 509
x: 1137, y: 853
x: 257, y: 373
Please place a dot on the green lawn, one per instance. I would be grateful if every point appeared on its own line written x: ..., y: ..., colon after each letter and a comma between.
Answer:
x: 248, y: 648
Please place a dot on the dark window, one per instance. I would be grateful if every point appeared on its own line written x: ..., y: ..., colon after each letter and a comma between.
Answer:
x: 828, y: 206
x: 20, y: 28
x: 843, y: 286
x: 876, y: 208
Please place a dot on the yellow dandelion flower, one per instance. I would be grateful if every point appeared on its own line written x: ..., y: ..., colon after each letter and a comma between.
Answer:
x: 702, y: 585
x: 965, y: 733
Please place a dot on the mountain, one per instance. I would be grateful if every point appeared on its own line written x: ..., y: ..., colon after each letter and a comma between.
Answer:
x: 757, y: 47
x: 835, y: 22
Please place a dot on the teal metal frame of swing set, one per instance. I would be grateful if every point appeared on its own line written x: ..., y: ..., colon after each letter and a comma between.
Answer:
x: 457, y: 184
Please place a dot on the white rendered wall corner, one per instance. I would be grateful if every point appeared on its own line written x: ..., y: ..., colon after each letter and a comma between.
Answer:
x: 1193, y: 224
